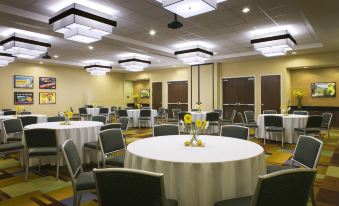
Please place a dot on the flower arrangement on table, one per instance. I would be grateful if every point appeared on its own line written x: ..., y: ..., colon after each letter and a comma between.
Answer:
x: 198, y: 106
x: 19, y: 109
x: 136, y: 101
x: 196, y: 129
x: 95, y: 104
x: 299, y: 94
x: 286, y: 108
x: 68, y: 116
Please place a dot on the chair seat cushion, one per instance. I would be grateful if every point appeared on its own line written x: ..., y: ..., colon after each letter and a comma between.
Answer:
x: 92, y: 145
x: 116, y: 161
x: 275, y: 129
x: 171, y: 202
x: 85, y: 181
x: 43, y: 151
x: 213, y: 123
x: 11, y: 147
x: 243, y: 201
x: 277, y: 168
x: 308, y: 130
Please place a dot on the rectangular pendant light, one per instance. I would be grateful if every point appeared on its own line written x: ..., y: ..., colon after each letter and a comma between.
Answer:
x: 82, y: 24
x: 188, y: 8
x: 134, y: 64
x: 98, y: 70
x: 193, y: 56
x: 5, y: 59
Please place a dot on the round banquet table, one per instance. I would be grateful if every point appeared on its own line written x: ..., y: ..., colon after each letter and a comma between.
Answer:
x: 79, y: 131
x: 135, y: 114
x: 93, y: 111
x: 225, y: 168
x: 290, y: 122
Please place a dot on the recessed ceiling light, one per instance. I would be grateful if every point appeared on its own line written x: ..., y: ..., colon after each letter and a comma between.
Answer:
x: 246, y: 10
x: 152, y: 32
x: 41, y: 62
x: 294, y: 52
x: 56, y: 56
x: 90, y: 47
x: 159, y: 60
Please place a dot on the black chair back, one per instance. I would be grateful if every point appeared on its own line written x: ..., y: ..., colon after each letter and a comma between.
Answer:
x: 111, y: 140
x: 103, y: 110
x: 88, y: 106
x: 314, y: 121
x: 27, y: 120
x: 288, y: 187
x: 145, y: 113
x: 181, y: 115
x: 26, y: 113
x: 176, y: 112
x: 114, y: 109
x: 327, y: 118
x: 249, y: 116
x: 212, y: 116
x: 126, y: 185
x: 241, y: 117
x: 72, y: 157
x: 82, y: 110
x: 307, y: 151
x: 146, y: 108
x: 12, y: 126
x: 235, y: 131
x: 56, y: 119
x: 122, y: 113
x: 124, y: 123
x: 219, y: 112
x: 161, y: 111
x: 9, y: 112
x: 273, y: 121
x: 300, y: 112
x: 99, y: 118
x: 40, y: 138
x: 165, y: 129
x: 111, y: 126
x: 6, y: 110
x: 269, y: 112
x: 128, y: 108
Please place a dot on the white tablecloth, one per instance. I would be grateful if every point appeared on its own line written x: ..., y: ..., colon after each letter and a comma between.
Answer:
x: 1, y: 113
x: 79, y: 131
x: 135, y: 113
x: 199, y: 176
x: 93, y: 111
x: 198, y: 115
x: 290, y: 122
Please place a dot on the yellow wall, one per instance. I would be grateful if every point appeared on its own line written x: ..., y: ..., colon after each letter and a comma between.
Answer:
x: 141, y: 84
x: 302, y: 78
x: 128, y: 92
x: 75, y: 87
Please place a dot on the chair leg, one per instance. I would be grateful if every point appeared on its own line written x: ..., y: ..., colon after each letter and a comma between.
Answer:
x: 282, y: 139
x: 27, y: 167
x: 328, y: 134
x: 75, y: 198
x: 58, y: 163
x: 265, y: 137
x: 312, y: 197
x: 79, y: 199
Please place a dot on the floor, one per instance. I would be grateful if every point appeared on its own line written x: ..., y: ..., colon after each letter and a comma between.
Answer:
x: 42, y: 189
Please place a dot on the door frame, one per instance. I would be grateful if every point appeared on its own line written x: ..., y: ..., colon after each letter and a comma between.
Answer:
x: 265, y: 75
x: 188, y: 90
x: 235, y: 77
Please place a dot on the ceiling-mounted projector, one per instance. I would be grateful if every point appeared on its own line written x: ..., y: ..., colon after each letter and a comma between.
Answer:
x: 175, y: 24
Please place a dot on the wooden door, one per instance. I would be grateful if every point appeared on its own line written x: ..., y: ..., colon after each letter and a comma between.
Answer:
x: 270, y: 93
x: 156, y: 95
x: 238, y: 94
x: 177, y: 96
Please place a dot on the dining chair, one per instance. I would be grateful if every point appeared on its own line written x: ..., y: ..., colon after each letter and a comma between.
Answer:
x: 130, y: 188
x: 250, y: 121
x: 41, y: 143
x: 124, y: 125
x: 165, y: 129
x: 289, y: 187
x: 13, y: 130
x: 175, y: 116
x: 214, y: 121
x: 235, y: 131
x: 146, y: 107
x: 313, y: 126
x: 9, y: 113
x: 13, y: 147
x: 145, y: 116
x: 81, y: 181
x: 28, y: 120
x: 298, y: 112
x: 306, y: 154
x: 231, y: 118
x: 162, y: 115
x: 83, y: 113
x: 111, y: 141
x: 274, y: 124
x: 56, y: 119
x: 100, y: 118
x: 220, y: 113
x: 25, y: 113
x: 270, y: 112
x: 326, y: 123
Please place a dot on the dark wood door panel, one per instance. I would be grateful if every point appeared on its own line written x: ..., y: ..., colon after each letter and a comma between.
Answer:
x: 270, y: 93
x: 156, y: 95
x: 177, y: 96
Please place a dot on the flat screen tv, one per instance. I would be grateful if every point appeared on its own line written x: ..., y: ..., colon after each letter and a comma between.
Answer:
x: 324, y: 89
x: 144, y: 93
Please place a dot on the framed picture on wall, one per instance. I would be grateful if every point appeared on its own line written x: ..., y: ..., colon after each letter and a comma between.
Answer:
x: 22, y: 98
x: 25, y: 82
x: 144, y: 93
x: 323, y: 89
x: 47, y: 83
x: 47, y: 98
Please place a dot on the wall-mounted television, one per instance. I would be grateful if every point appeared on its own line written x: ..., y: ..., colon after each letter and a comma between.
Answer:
x: 144, y: 93
x: 324, y: 89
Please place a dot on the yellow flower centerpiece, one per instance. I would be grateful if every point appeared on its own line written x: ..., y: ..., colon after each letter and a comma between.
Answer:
x: 137, y: 101
x: 68, y: 116
x: 196, y: 128
x: 299, y: 94
x: 198, y: 106
x: 286, y: 108
x: 19, y: 109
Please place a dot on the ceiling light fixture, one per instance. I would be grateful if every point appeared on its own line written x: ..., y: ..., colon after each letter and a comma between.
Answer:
x: 193, y: 56
x: 98, y: 69
x: 188, y: 8
x: 90, y: 47
x: 24, y: 47
x: 82, y: 24
x: 274, y: 44
x: 134, y: 63
x: 56, y: 56
x: 5, y: 59
x: 152, y: 32
x: 246, y: 10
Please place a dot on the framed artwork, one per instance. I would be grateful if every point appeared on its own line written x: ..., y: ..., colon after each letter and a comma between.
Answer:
x: 47, y: 98
x: 47, y: 83
x: 323, y: 89
x: 26, y: 82
x: 144, y: 93
x: 22, y: 98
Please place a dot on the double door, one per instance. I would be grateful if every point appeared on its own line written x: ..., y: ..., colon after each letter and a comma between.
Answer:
x: 238, y: 94
x: 177, y: 96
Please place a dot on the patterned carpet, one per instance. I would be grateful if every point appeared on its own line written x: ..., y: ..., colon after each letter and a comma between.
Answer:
x: 42, y: 189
